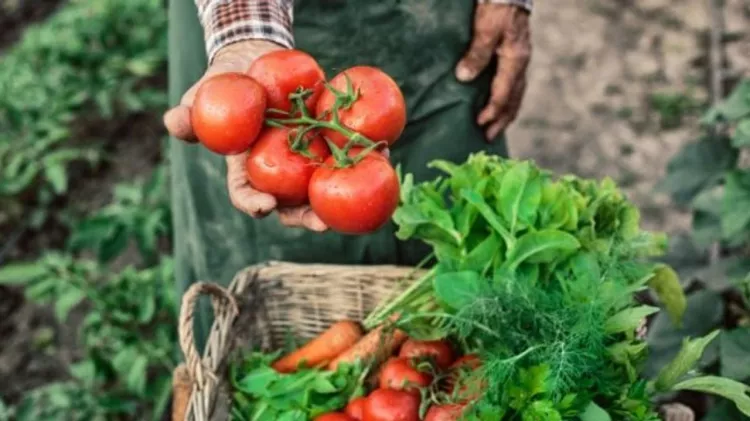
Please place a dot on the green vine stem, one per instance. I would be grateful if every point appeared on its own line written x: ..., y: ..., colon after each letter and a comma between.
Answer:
x: 299, y: 117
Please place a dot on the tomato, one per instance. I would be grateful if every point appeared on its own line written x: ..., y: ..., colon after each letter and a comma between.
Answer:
x: 357, y: 199
x: 444, y: 413
x: 334, y: 416
x: 356, y: 408
x: 282, y: 72
x: 391, y: 405
x: 228, y: 112
x: 469, y: 388
x: 401, y: 373
x: 438, y: 351
x: 272, y: 167
x: 379, y: 113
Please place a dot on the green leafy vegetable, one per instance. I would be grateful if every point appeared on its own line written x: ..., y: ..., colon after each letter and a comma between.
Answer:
x: 261, y: 393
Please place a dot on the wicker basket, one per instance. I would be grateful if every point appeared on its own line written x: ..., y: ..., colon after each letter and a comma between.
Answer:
x: 264, y: 303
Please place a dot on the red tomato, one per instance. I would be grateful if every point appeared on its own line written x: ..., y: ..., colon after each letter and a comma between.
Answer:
x: 272, y: 167
x: 391, y: 405
x: 439, y: 351
x: 356, y: 408
x: 357, y: 199
x: 444, y: 413
x: 379, y: 113
x: 400, y: 373
x: 282, y: 72
x: 228, y: 112
x: 469, y: 388
x: 334, y: 416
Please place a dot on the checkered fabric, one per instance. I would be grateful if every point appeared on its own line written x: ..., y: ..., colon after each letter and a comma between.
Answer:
x: 228, y: 21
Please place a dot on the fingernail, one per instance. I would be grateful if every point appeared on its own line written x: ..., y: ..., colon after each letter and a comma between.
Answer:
x: 464, y: 73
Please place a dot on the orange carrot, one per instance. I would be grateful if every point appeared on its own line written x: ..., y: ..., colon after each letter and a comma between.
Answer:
x: 324, y: 348
x: 376, y: 346
x: 182, y: 387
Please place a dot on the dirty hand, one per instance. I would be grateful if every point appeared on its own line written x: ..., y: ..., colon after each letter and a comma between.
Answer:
x: 237, y: 58
x: 502, y: 30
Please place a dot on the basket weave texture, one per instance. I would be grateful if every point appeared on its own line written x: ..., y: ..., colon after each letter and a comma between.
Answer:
x: 263, y: 305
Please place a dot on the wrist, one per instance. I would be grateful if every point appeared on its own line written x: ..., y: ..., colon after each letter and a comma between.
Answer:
x: 246, y: 50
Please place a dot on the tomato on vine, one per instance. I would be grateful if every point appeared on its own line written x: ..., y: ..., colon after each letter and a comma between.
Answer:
x: 283, y: 169
x: 371, y: 103
x: 355, y: 199
x: 286, y: 72
x: 227, y: 113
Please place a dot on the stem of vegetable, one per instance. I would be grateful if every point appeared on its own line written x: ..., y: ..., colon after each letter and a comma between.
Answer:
x: 416, y: 290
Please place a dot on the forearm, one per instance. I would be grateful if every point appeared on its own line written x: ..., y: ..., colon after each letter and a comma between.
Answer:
x: 526, y: 4
x: 230, y: 21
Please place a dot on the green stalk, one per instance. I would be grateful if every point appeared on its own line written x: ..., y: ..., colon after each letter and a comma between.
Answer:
x: 416, y: 292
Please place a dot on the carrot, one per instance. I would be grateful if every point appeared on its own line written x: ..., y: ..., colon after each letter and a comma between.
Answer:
x: 321, y: 350
x: 181, y: 389
x: 375, y: 347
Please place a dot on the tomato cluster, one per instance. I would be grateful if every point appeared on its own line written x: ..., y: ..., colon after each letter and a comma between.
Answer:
x: 309, y: 141
x: 419, y: 366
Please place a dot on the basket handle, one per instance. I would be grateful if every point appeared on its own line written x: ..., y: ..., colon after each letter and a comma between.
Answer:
x: 222, y: 302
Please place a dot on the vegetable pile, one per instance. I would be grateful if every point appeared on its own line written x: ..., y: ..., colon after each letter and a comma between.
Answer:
x: 308, y: 140
x: 527, y: 313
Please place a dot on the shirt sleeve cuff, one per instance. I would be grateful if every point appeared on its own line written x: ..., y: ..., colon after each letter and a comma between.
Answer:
x: 526, y: 4
x: 226, y: 22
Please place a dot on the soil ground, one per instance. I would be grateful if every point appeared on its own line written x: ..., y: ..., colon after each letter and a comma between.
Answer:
x: 614, y: 89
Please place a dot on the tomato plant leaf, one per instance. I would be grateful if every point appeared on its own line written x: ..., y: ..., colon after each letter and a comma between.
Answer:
x: 666, y: 285
x: 686, y: 359
x: 733, y: 390
x: 136, y: 377
x: 541, y: 247
x: 629, y: 319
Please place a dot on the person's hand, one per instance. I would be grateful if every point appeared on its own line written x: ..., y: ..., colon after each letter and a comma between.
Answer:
x: 237, y: 58
x: 502, y: 30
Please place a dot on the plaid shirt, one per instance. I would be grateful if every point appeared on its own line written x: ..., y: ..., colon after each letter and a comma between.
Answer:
x: 228, y: 21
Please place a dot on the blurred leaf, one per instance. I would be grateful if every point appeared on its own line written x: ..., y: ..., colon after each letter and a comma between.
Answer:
x: 735, y: 353
x: 667, y: 286
x: 697, y: 166
x: 684, y: 362
x: 114, y: 245
x: 741, y: 136
x: 66, y: 301
x: 733, y: 108
x: 594, y: 412
x: 136, y: 378
x: 726, y: 388
x: 735, y: 217
x: 704, y: 313
x: 21, y: 273
x: 57, y: 177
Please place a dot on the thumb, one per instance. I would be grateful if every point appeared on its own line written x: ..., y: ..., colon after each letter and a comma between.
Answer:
x: 177, y: 122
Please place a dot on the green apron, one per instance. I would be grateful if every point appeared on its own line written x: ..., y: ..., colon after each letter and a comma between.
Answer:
x: 417, y: 42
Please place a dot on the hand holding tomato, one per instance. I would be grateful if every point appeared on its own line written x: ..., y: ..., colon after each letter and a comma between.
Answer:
x: 236, y: 58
